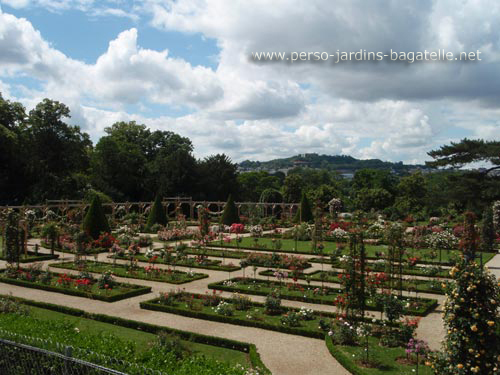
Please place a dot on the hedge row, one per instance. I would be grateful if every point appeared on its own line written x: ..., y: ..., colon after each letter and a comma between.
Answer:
x: 78, y: 293
x: 345, y: 361
x: 251, y: 349
x: 33, y: 257
x: 61, y: 250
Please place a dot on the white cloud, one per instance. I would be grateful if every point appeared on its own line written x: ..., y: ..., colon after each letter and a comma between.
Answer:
x: 395, y: 111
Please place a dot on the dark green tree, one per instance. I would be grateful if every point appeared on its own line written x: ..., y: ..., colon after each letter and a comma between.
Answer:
x: 12, y: 238
x: 230, y: 214
x: 95, y: 221
x: 292, y: 188
x: 304, y: 213
x: 465, y: 152
x: 13, y: 156
x: 487, y: 231
x: 218, y: 177
x: 50, y: 232
x: 59, y: 154
x: 157, y: 214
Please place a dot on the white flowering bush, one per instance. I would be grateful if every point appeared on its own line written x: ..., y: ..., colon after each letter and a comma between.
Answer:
x: 306, y: 314
x: 256, y: 230
x: 340, y: 235
x: 442, y: 240
x: 224, y: 308
x: 376, y: 230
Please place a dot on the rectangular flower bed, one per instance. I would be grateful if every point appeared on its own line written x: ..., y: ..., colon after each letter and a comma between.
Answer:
x: 313, y: 294
x: 73, y: 285
x: 135, y: 272
x: 418, y: 285
x: 192, y: 262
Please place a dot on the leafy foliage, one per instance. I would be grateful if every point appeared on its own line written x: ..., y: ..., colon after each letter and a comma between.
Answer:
x: 95, y: 220
x: 157, y: 214
x: 230, y: 214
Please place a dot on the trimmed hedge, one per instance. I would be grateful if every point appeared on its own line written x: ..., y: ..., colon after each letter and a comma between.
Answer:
x: 77, y: 293
x: 342, y: 358
x: 33, y: 257
x: 251, y: 349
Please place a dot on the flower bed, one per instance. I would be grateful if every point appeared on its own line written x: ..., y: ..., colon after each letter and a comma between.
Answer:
x: 349, y: 356
x: 192, y: 262
x: 196, y: 306
x: 144, y: 273
x: 312, y: 294
x: 379, y: 265
x: 415, y: 285
x: 72, y: 285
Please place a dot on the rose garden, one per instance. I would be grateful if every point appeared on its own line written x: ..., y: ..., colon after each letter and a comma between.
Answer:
x: 382, y: 296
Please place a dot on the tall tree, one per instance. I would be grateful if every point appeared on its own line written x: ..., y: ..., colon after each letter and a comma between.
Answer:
x: 218, y: 178
x: 13, y: 155
x: 59, y: 153
x: 467, y: 151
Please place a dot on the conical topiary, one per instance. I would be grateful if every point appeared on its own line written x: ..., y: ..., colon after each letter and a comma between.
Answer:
x: 157, y: 215
x: 230, y: 214
x: 304, y: 213
x: 95, y: 220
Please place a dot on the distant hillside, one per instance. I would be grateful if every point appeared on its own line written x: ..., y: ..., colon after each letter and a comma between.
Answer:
x: 329, y: 162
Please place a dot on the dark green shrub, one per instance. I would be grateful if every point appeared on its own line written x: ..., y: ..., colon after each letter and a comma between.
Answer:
x: 95, y: 220
x: 304, y: 212
x: 230, y: 214
x: 157, y: 215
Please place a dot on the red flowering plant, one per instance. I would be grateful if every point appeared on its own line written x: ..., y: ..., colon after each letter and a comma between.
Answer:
x: 84, y: 284
x: 64, y: 280
x: 105, y: 241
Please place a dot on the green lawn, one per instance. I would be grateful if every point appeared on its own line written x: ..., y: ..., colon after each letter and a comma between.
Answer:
x: 143, y: 273
x: 304, y: 247
x: 134, y: 346
x: 349, y: 356
x: 143, y: 340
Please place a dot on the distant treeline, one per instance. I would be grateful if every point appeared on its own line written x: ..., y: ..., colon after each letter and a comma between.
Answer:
x: 42, y: 157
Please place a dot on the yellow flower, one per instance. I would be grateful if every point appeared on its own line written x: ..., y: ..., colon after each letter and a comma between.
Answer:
x: 474, y: 328
x: 460, y: 366
x: 491, y: 323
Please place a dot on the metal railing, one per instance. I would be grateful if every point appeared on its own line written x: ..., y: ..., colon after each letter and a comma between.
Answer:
x: 25, y: 355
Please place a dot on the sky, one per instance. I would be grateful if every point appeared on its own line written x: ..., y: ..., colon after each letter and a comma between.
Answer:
x: 185, y: 66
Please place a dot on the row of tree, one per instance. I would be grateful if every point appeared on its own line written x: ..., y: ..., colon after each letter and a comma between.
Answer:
x: 42, y: 157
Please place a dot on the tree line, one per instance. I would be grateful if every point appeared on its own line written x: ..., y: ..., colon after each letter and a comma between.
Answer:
x: 43, y: 158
